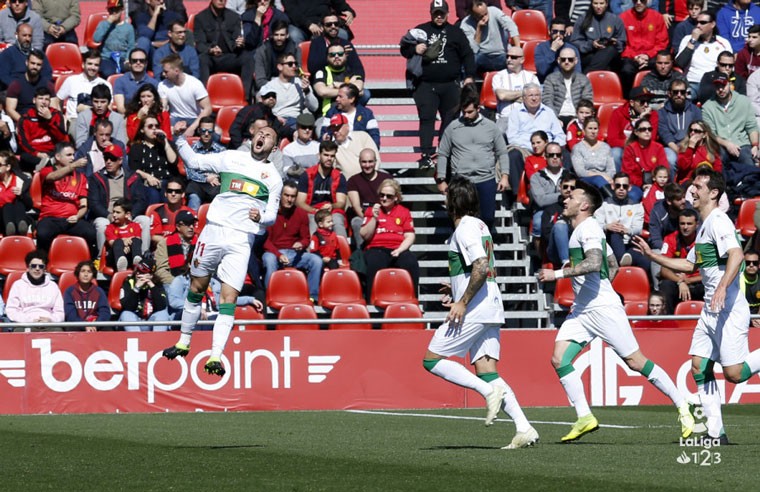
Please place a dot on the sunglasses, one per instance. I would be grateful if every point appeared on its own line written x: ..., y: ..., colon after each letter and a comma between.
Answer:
x: 703, y: 22
x: 676, y: 92
x: 17, y: 1
x: 386, y: 195
x: 639, y: 1
x: 36, y: 266
x: 173, y: 191
x: 137, y: 60
x: 726, y: 65
x: 566, y: 59
x: 290, y: 63
x: 331, y: 24
x: 336, y: 54
x: 696, y: 130
x: 553, y: 154
x: 514, y: 57
x: 109, y: 157
x: 557, y: 31
x: 752, y: 262
x: 206, y: 131
x: 307, y: 128
x: 622, y: 185
x: 568, y: 187
x: 151, y: 126
x: 644, y: 129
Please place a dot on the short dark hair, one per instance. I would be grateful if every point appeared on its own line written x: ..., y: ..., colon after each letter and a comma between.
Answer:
x: 352, y: 91
x: 667, y: 53
x: 559, y: 20
x: 568, y: 176
x: 37, y: 54
x: 83, y: 264
x: 290, y: 183
x: 593, y: 196
x: 277, y: 25
x: 104, y: 122
x: 327, y: 145
x: 176, y: 22
x: 462, y: 198
x: 620, y: 174
x: 89, y: 54
x: 585, y: 103
x: 63, y: 145
x: 715, y: 179
x: 43, y: 90
x: 123, y: 203
x: 101, y: 91
x: 176, y: 180
x: 689, y: 212
x: 673, y: 192
x: 207, y: 119
x: 36, y: 254
x: 677, y: 81
x: 469, y: 96
x: 321, y: 215
x: 754, y: 30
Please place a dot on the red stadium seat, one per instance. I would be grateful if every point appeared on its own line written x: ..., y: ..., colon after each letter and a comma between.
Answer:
x: 59, y: 82
x: 529, y: 51
x: 9, y: 281
x: 632, y: 283
x: 604, y: 113
x: 89, y: 29
x: 298, y: 311
x: 531, y: 24
x: 344, y: 250
x: 64, y: 58
x: 606, y: 86
x: 305, y: 47
x: 688, y: 307
x: 403, y: 310
x: 487, y: 94
x: 636, y: 309
x: 35, y: 190
x: 224, y: 119
x: 114, y: 291
x: 392, y: 285
x: 225, y: 89
x: 191, y: 22
x: 341, y: 286
x: 745, y: 222
x: 287, y: 286
x: 202, y: 213
x: 13, y: 250
x: 103, y: 267
x: 350, y: 311
x: 640, y: 77
x: 563, y: 292
x: 248, y: 312
x: 65, y: 252
x: 522, y: 192
x: 67, y: 279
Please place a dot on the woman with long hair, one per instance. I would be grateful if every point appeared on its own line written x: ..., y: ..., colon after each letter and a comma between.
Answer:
x: 14, y: 196
x: 641, y: 155
x: 698, y: 147
x: 388, y: 233
x: 592, y: 158
x: 146, y: 102
x: 153, y: 158
x: 600, y: 37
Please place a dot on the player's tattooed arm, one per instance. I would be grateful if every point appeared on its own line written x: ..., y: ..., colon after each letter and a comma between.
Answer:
x: 591, y: 263
x: 612, y: 267
x: 477, y: 279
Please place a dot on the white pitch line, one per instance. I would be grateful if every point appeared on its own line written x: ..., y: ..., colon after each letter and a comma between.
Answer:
x: 462, y: 417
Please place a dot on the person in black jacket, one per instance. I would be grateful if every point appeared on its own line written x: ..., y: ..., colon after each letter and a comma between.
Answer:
x: 306, y: 17
x: 319, y: 44
x: 100, y: 199
x: 445, y: 53
x: 143, y: 297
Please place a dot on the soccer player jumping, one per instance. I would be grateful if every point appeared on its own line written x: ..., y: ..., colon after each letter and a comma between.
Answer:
x: 476, y: 314
x: 598, y: 312
x: 246, y: 204
x: 722, y: 330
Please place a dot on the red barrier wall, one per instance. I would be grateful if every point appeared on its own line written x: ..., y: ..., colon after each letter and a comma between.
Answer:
x: 110, y: 372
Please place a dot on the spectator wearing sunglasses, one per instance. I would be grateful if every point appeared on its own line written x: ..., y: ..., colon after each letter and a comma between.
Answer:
x: 622, y: 218
x: 546, y: 191
x: 735, y: 18
x: 725, y: 65
x: 35, y: 298
x: 698, y: 52
x: 331, y: 25
x: 178, y: 45
x: 547, y: 52
x: 331, y: 76
x: 129, y: 83
x: 305, y: 17
x: 660, y: 77
x: 641, y: 156
x: 162, y: 219
x: 203, y: 186
x: 292, y: 92
x: 675, y: 118
x: 750, y: 284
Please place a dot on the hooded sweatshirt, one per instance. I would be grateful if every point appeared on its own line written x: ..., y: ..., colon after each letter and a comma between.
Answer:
x: 27, y: 302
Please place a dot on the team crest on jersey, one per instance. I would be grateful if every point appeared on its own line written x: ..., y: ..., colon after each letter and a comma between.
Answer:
x: 650, y: 27
x: 707, y: 49
x: 609, y: 29
x: 264, y: 175
x: 196, y: 262
x: 398, y: 221
x: 654, y: 159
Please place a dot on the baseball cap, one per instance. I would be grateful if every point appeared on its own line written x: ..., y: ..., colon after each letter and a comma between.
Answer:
x: 437, y: 5
x: 114, y: 150
x: 185, y: 216
x: 147, y: 263
x: 305, y: 120
x: 338, y: 120
x: 267, y: 94
x: 641, y: 93
x: 115, y: 4
x: 720, y: 79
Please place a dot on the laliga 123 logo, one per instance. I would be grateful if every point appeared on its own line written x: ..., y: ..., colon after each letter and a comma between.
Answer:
x: 14, y: 371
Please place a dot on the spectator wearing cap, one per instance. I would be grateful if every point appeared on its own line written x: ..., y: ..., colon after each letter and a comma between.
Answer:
x: 725, y: 65
x: 731, y: 118
x: 360, y: 117
x: 437, y: 53
x: 303, y: 151
x: 20, y: 12
x: 294, y: 94
x: 350, y: 144
x: 624, y: 118
x: 173, y: 255
x: 143, y: 297
x: 110, y: 184
x: 203, y: 186
x: 64, y: 199
x: 39, y: 130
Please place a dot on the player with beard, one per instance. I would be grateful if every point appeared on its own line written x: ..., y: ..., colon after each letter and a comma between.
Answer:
x: 247, y: 203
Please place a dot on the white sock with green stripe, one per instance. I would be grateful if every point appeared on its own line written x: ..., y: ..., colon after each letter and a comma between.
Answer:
x: 571, y: 381
x: 191, y: 313
x: 709, y: 396
x: 456, y: 373
x: 660, y: 379
x: 509, y: 405
x: 222, y: 328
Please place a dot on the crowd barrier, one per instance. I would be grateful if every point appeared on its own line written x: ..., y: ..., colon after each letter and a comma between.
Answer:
x: 75, y: 372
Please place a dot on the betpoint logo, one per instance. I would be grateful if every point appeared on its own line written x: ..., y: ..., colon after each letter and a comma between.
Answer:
x: 103, y: 370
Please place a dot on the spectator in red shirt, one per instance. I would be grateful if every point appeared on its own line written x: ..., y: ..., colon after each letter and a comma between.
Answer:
x: 681, y: 286
x: 645, y: 35
x: 38, y: 131
x: 574, y: 130
x: 123, y: 237
x: 388, y: 232
x: 623, y: 119
x: 162, y: 218
x: 64, y: 199
x: 537, y: 160
x: 287, y: 241
x: 324, y: 242
x: 642, y: 154
x: 14, y: 196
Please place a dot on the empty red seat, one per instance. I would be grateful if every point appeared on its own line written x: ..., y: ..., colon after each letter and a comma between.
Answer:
x: 632, y: 283
x: 392, y: 285
x: 65, y: 252
x: 297, y: 311
x: 287, y: 286
x: 341, y: 286
x: 350, y: 311
x: 225, y: 89
x: 13, y: 250
x: 64, y: 58
x: 403, y: 310
x: 688, y: 307
x: 248, y: 313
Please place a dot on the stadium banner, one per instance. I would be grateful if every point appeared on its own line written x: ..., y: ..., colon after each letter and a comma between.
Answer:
x: 312, y: 370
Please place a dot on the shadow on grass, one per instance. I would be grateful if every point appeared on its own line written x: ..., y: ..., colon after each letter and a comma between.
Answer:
x: 238, y: 446
x: 448, y: 448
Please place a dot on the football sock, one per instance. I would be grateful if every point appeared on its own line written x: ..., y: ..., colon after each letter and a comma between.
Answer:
x: 511, y: 407
x: 222, y: 329
x: 709, y: 396
x: 660, y: 379
x: 751, y: 365
x: 571, y: 381
x: 191, y: 313
x: 456, y: 373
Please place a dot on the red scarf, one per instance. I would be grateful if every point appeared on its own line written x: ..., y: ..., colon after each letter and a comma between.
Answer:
x: 266, y: 20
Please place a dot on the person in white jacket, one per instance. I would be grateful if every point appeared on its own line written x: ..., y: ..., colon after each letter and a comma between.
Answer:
x: 35, y: 298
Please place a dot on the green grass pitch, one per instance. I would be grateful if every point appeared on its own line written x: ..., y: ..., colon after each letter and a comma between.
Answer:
x: 425, y: 450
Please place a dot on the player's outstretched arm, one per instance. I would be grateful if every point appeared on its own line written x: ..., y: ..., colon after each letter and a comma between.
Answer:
x: 591, y: 263
x: 676, y: 264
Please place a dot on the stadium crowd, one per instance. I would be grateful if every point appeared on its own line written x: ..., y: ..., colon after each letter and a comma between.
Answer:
x: 91, y: 154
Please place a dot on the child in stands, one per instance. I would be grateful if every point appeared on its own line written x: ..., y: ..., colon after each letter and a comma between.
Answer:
x: 324, y: 242
x: 123, y: 242
x: 655, y: 191
x: 575, y: 127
